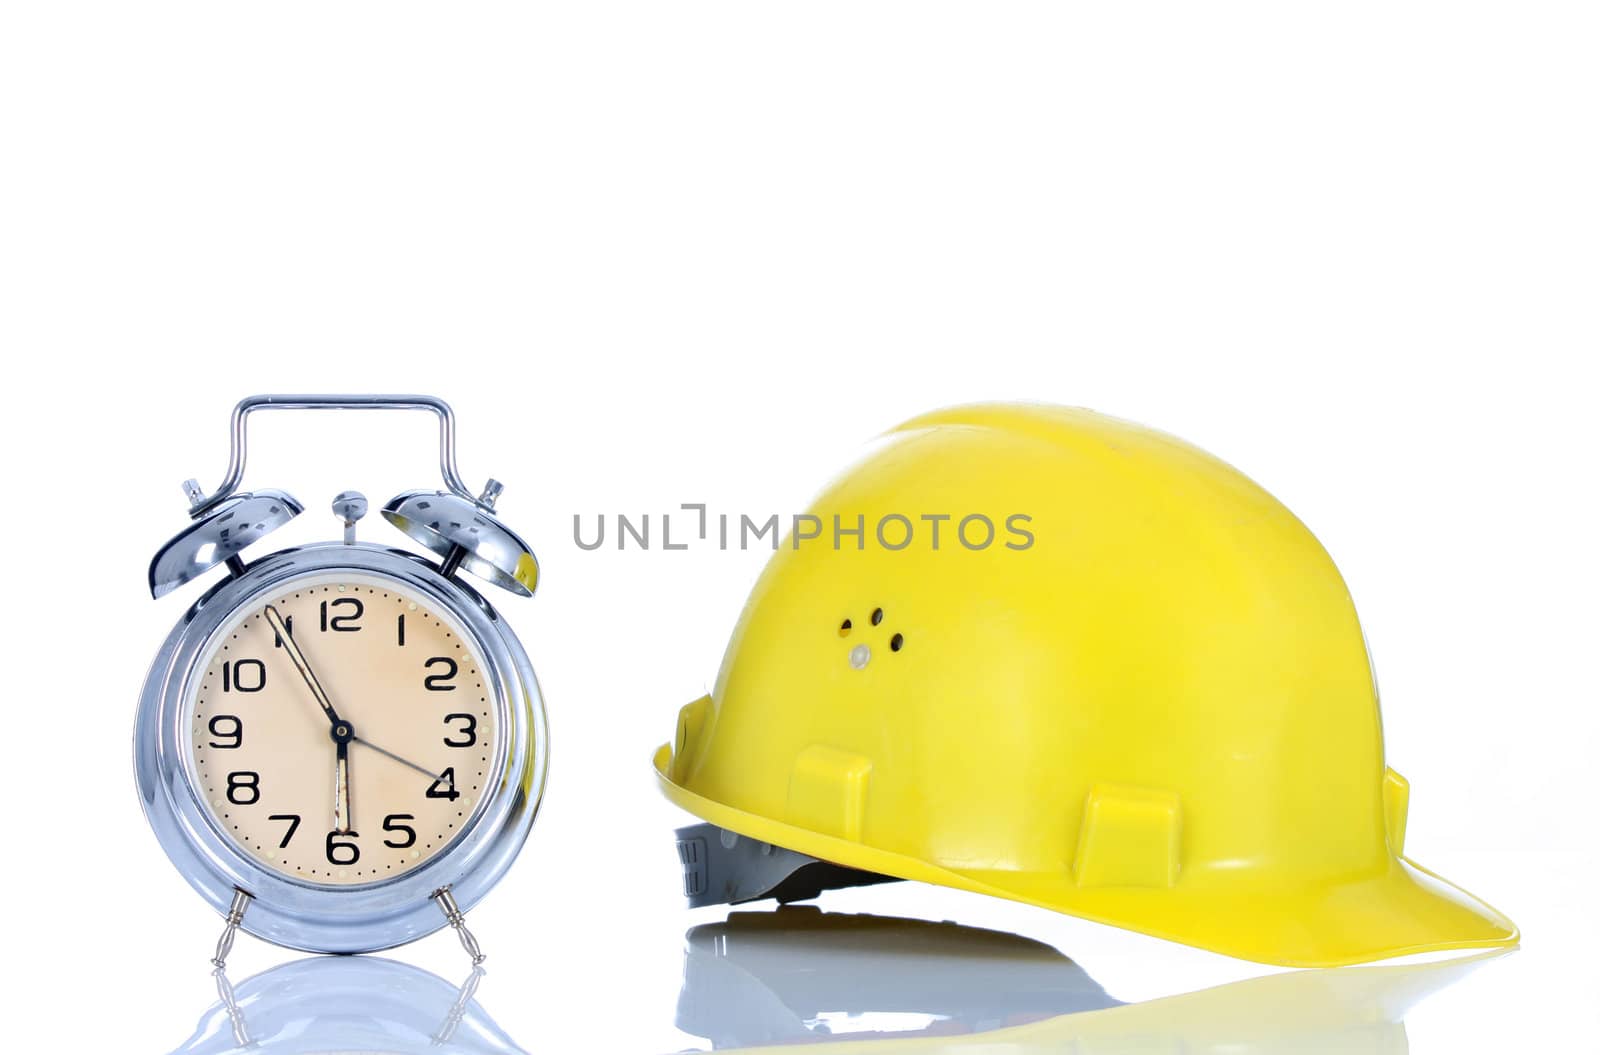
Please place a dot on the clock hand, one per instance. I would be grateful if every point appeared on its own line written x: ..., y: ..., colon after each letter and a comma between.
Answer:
x: 403, y: 761
x: 341, y: 787
x: 342, y: 731
x: 298, y: 658
x: 343, y: 734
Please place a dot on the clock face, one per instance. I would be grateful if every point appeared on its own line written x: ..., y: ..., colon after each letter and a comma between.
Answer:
x: 357, y: 749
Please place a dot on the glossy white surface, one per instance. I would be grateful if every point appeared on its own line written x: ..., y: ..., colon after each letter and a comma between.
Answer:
x: 665, y: 253
x: 766, y: 980
x: 762, y: 978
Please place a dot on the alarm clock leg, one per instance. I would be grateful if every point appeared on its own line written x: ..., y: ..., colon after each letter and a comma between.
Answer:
x: 241, y: 901
x: 452, y: 912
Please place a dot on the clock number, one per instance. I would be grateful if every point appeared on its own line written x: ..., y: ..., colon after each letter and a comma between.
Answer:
x: 445, y: 786
x: 288, y: 624
x: 468, y: 733
x: 244, y: 788
x: 347, y: 623
x: 340, y: 850
x: 440, y: 682
x: 400, y: 629
x: 226, y: 727
x: 294, y: 825
x: 392, y: 823
x: 244, y: 675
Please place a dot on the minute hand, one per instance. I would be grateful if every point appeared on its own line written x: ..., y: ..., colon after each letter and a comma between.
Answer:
x: 298, y: 658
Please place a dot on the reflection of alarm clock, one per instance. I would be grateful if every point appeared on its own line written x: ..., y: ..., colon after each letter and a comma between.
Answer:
x: 348, y: 1004
x: 342, y: 746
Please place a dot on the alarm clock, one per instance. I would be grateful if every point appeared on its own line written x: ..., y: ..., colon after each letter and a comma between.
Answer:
x: 342, y: 746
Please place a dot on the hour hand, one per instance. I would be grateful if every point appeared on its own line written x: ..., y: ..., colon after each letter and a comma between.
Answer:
x: 298, y: 658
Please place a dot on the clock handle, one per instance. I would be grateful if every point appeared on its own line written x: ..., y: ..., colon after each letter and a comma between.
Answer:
x: 201, y: 503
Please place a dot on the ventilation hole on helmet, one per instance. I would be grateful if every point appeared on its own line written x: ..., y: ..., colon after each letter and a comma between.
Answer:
x: 844, y: 628
x: 877, y: 616
x: 897, y: 642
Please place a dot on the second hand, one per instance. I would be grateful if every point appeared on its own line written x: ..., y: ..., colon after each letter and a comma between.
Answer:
x: 403, y: 761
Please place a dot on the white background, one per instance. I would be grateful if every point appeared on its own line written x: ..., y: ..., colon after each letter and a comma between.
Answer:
x: 673, y: 252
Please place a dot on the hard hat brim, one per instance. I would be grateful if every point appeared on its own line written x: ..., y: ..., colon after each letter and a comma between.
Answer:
x: 1404, y: 910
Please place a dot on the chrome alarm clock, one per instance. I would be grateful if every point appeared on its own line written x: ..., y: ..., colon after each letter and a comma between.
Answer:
x: 342, y: 746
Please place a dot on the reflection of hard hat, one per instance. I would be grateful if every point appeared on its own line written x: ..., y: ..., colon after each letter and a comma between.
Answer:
x: 767, y: 979
x: 800, y: 974
x: 1148, y: 705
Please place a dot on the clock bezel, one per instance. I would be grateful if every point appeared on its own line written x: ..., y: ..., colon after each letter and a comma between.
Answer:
x: 300, y: 913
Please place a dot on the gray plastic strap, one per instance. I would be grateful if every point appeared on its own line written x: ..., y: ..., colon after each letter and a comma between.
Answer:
x: 723, y: 868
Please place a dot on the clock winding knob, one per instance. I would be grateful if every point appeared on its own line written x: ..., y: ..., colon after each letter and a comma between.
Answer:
x: 349, y: 507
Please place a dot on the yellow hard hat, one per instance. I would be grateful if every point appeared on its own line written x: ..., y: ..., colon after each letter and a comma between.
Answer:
x: 1048, y: 655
